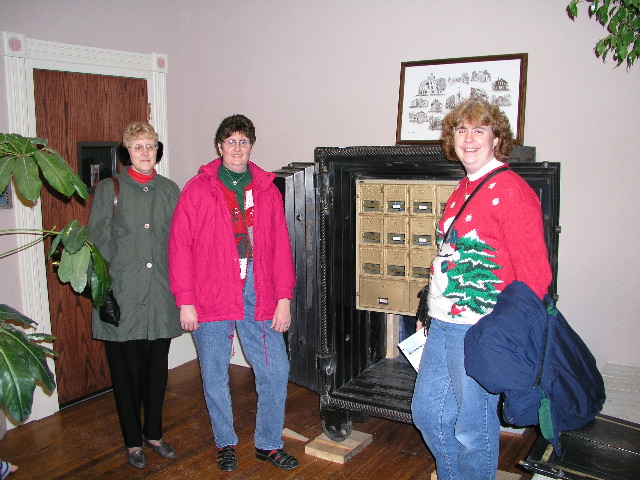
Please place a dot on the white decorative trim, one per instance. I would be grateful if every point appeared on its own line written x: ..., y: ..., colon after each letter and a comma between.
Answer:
x: 13, y: 44
x: 21, y: 56
x: 160, y: 63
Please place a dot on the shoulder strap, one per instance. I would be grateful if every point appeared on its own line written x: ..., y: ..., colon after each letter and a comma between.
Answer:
x: 116, y: 192
x: 466, y: 202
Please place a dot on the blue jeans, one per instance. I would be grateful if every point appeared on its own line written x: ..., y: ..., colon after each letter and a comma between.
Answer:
x: 266, y: 352
x: 457, y: 417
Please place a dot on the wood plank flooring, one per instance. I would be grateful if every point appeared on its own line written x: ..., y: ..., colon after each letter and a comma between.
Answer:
x: 84, y: 441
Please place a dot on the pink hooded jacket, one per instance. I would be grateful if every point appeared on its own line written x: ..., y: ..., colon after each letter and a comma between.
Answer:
x: 204, y: 267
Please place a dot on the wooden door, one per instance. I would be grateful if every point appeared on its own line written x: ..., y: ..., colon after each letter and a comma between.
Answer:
x: 74, y: 107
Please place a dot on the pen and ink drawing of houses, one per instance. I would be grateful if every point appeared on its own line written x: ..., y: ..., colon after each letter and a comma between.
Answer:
x: 500, y: 85
x: 479, y: 93
x: 481, y: 77
x: 430, y: 91
x: 436, y: 106
x: 463, y: 78
x: 419, y: 103
x: 432, y: 86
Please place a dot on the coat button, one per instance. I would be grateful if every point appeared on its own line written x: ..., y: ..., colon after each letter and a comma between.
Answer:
x: 149, y: 265
x: 146, y: 225
x: 145, y: 189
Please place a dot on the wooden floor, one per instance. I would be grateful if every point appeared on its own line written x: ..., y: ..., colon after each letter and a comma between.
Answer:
x: 84, y: 441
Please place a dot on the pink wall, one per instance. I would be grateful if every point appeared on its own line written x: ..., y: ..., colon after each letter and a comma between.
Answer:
x: 327, y: 74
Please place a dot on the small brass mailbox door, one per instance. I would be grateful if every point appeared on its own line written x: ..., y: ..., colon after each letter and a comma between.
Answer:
x: 443, y: 192
x: 396, y: 231
x: 371, y: 228
x: 396, y: 199
x: 385, y: 295
x: 370, y: 198
x: 371, y: 261
x: 422, y: 199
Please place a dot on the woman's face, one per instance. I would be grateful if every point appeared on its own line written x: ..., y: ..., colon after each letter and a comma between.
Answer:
x: 143, y: 153
x: 474, y: 145
x: 235, y: 151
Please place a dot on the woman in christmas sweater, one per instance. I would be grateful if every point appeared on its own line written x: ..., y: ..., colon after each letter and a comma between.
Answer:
x: 498, y: 239
x: 230, y: 267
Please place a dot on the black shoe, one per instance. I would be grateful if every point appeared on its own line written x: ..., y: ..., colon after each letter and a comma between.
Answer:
x: 136, y: 458
x: 278, y: 457
x: 227, y: 461
x: 163, y: 448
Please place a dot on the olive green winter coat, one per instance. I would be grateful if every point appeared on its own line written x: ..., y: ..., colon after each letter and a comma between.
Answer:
x: 135, y: 245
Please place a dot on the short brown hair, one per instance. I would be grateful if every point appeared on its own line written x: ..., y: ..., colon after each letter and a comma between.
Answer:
x: 233, y: 124
x: 478, y: 112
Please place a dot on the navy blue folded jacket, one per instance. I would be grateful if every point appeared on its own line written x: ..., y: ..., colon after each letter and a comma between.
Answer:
x: 526, y: 351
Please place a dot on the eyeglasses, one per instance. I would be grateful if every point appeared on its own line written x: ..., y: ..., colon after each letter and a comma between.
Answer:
x: 231, y: 142
x: 137, y: 147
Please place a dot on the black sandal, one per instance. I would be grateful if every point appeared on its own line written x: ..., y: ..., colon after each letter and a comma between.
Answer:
x: 227, y: 461
x: 278, y: 457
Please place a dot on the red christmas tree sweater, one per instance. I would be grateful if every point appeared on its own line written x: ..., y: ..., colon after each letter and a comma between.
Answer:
x: 498, y: 239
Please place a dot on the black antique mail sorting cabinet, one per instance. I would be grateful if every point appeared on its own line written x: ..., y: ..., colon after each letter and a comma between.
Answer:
x: 362, y: 222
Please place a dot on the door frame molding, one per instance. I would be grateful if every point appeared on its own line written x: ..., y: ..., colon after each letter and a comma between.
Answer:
x: 21, y: 56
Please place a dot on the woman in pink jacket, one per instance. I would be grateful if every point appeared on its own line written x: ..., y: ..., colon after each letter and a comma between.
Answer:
x: 230, y: 267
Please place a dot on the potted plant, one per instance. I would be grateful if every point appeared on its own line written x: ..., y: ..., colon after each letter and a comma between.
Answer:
x: 23, y: 358
x: 621, y: 18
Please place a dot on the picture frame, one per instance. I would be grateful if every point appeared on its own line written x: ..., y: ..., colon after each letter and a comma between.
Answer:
x: 96, y: 161
x: 432, y: 88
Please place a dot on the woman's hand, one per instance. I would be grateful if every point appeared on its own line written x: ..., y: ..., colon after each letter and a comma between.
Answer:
x: 188, y: 318
x: 282, y: 316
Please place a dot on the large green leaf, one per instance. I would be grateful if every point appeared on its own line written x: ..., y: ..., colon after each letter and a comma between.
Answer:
x: 80, y: 264
x: 15, y: 144
x: 21, y: 364
x: 100, y: 278
x: 27, y: 178
x: 65, y: 269
x: 54, y: 244
x: 73, y: 268
x: 34, y: 354
x: 53, y: 169
x: 74, y: 236
x: 8, y: 313
x: 6, y: 169
x: 63, y: 168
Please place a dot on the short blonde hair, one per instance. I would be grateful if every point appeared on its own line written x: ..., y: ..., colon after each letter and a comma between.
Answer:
x: 139, y: 130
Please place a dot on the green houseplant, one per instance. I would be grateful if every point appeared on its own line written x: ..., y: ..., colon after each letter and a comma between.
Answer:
x: 23, y: 358
x: 621, y: 18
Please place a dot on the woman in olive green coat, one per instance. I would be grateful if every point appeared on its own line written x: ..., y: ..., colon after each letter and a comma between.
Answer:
x: 132, y: 234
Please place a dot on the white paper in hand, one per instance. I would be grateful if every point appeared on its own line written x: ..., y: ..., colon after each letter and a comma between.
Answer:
x: 412, y: 347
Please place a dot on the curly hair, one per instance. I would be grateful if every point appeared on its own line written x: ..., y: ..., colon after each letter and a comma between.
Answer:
x: 138, y: 130
x: 477, y: 112
x: 235, y: 123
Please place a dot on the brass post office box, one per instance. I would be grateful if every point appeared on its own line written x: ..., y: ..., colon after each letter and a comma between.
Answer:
x: 422, y: 232
x: 420, y: 263
x: 422, y: 199
x: 370, y: 196
x: 443, y: 192
x: 396, y: 231
x: 371, y: 228
x: 396, y: 199
x: 371, y: 261
x: 383, y: 295
x: 396, y: 263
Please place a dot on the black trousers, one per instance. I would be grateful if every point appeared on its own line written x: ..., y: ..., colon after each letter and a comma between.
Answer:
x: 139, y: 371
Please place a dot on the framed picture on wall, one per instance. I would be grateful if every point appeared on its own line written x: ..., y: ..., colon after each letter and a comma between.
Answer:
x: 96, y: 161
x: 432, y: 88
